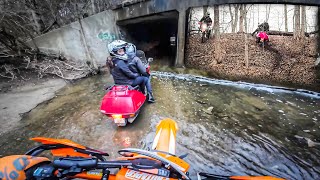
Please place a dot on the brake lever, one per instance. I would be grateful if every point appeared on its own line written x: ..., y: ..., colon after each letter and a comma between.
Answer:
x: 183, y: 156
x: 71, y: 171
x: 105, y: 174
x: 145, y: 164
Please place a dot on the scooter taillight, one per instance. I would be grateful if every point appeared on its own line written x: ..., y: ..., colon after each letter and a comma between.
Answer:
x: 118, y: 116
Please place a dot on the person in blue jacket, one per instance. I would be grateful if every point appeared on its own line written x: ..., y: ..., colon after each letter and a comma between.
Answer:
x: 119, y: 68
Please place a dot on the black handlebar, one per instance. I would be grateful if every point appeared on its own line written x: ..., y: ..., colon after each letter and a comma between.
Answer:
x: 93, y: 163
x: 67, y: 163
x: 69, y: 166
x: 113, y: 164
x: 88, y: 163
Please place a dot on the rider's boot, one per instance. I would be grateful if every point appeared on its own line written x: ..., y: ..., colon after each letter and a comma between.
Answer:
x: 142, y: 89
x: 151, y: 98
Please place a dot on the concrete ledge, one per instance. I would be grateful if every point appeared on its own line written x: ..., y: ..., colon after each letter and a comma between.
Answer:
x: 24, y: 99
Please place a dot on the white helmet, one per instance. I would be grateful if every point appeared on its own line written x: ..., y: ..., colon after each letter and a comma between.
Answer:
x: 114, y: 46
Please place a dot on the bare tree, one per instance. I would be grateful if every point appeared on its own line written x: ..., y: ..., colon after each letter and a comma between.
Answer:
x: 286, y: 18
x: 303, y: 20
x: 268, y: 12
x: 245, y: 18
x: 296, y: 32
x: 234, y: 19
x: 231, y: 17
x: 246, y: 50
x: 216, y: 21
x: 241, y: 18
x: 21, y: 20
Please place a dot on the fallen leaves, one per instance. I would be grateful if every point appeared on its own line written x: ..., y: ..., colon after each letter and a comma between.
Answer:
x: 285, y: 61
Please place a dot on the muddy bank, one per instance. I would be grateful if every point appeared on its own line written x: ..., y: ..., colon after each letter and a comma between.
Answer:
x: 25, y: 83
x: 21, y: 96
x: 286, y: 62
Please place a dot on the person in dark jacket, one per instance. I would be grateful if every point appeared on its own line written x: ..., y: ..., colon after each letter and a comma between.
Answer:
x: 206, y: 19
x: 136, y: 65
x: 119, y: 68
x: 261, y: 27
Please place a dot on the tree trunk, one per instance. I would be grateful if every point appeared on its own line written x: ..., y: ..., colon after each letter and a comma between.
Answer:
x: 317, y: 29
x: 303, y: 20
x: 296, y: 32
x: 241, y: 18
x: 38, y: 16
x: 216, y: 22
x: 267, y: 12
x: 258, y: 14
x: 236, y: 16
x: 232, y: 19
x: 246, y: 50
x: 252, y: 14
x: 286, y: 18
x: 245, y: 18
x: 37, y: 23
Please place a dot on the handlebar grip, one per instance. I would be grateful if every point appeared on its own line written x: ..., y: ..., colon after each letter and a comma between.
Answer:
x: 67, y: 163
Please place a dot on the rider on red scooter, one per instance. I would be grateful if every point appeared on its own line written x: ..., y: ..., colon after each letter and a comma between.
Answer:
x: 206, y: 19
x: 262, y: 37
x: 134, y: 61
x: 120, y: 71
x: 135, y: 65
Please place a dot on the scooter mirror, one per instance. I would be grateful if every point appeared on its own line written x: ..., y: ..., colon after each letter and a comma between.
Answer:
x: 150, y: 59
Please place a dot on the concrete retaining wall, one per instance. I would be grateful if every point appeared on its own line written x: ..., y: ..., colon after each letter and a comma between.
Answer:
x: 98, y: 30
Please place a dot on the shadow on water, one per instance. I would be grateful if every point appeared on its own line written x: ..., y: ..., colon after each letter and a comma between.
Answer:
x: 226, y: 129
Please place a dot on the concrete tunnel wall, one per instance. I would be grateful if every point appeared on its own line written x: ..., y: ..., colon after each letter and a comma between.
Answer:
x: 98, y: 30
x: 152, y: 35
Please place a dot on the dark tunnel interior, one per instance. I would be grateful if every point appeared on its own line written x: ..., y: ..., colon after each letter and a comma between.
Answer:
x: 152, y: 35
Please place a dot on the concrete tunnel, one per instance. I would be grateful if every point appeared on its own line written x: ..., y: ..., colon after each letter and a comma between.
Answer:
x: 152, y: 35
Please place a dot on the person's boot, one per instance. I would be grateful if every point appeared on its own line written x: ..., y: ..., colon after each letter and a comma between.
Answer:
x: 151, y: 98
x: 142, y: 89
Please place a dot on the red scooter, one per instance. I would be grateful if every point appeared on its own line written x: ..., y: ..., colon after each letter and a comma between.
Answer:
x: 122, y: 103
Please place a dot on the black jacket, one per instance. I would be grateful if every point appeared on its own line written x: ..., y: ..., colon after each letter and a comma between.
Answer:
x: 121, y: 72
x: 136, y: 66
x: 206, y: 19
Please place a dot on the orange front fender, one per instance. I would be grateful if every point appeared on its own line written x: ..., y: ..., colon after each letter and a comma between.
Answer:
x: 165, y: 139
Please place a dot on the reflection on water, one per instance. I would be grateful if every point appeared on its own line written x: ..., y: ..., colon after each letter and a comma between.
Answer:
x: 225, y: 129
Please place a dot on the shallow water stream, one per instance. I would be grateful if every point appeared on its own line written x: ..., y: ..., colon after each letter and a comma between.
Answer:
x: 227, y: 128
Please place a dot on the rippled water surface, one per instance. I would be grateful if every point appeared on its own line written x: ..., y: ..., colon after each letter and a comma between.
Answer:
x: 227, y: 128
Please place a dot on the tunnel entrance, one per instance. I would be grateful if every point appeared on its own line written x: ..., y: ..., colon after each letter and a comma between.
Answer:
x: 152, y: 35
